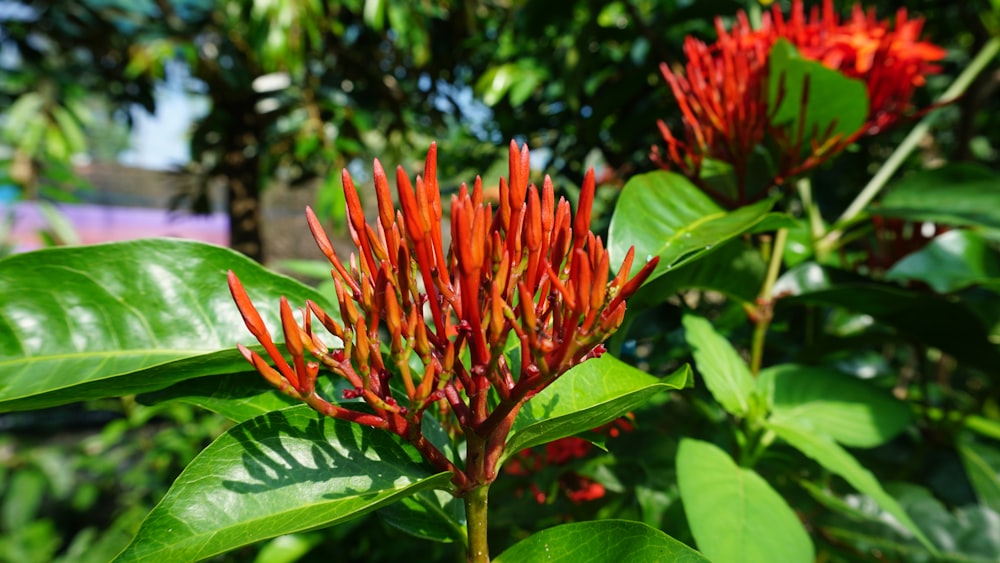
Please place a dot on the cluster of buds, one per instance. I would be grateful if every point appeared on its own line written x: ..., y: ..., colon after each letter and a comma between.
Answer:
x: 522, y: 295
x: 722, y: 91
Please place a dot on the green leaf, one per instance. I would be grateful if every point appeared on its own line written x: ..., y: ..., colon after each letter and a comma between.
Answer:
x: 969, y: 534
x: 849, y: 410
x: 236, y: 396
x: 591, y: 394
x: 288, y: 548
x: 733, y: 512
x: 825, y: 451
x: 663, y: 214
x: 374, y: 14
x: 430, y: 515
x: 982, y: 465
x: 950, y: 262
x: 726, y: 375
x: 283, y: 472
x: 910, y: 313
x: 955, y: 194
x: 735, y: 269
x: 983, y: 426
x: 601, y: 541
x: 123, y: 318
x: 843, y: 114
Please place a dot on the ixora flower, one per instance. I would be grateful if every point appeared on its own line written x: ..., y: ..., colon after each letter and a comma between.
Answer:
x: 528, y: 273
x: 723, y: 95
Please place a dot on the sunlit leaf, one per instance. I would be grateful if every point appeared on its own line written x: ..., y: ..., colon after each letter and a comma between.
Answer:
x: 663, y: 214
x: 734, y: 514
x: 725, y: 373
x: 124, y: 318
x: 851, y: 411
x: 601, y: 541
x: 589, y: 395
x: 283, y: 472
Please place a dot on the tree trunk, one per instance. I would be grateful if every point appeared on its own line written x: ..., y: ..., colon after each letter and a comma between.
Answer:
x: 241, y: 172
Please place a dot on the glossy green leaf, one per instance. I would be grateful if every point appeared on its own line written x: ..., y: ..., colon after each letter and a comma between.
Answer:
x: 734, y: 514
x: 591, y: 394
x: 849, y: 410
x: 430, y: 515
x: 283, y: 472
x: 725, y: 373
x: 123, y: 318
x: 735, y: 269
x: 950, y: 262
x: 663, y: 214
x: 955, y: 194
x: 600, y: 541
x: 790, y: 75
x: 825, y: 451
x: 236, y: 396
x: 982, y: 465
x: 912, y: 314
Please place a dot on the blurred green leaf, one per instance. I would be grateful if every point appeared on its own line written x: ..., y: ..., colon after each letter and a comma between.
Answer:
x: 283, y: 472
x: 982, y: 465
x: 849, y: 410
x: 950, y: 262
x: 912, y: 314
x: 824, y: 450
x: 663, y: 214
x: 842, y: 114
x: 591, y: 394
x: 725, y: 373
x: 601, y: 541
x: 287, y: 548
x: 734, y: 514
x: 374, y: 14
x: 124, y: 318
x: 955, y: 194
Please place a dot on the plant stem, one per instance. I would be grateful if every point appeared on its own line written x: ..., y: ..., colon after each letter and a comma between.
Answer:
x: 765, y: 302
x: 804, y: 187
x: 896, y: 159
x: 476, y: 502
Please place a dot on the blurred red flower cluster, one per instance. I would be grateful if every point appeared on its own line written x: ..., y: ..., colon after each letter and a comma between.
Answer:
x: 577, y: 488
x: 722, y: 90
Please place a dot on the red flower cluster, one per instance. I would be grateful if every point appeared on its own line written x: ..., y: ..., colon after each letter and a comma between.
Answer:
x: 528, y: 272
x: 723, y: 90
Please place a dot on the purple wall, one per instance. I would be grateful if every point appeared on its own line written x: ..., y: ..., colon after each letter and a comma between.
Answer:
x: 95, y: 223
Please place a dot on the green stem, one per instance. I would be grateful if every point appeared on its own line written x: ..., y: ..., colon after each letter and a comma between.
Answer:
x: 476, y: 503
x: 804, y: 187
x: 896, y: 159
x: 765, y: 303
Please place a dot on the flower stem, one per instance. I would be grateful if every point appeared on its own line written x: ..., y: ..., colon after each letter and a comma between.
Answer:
x: 896, y: 159
x: 476, y: 503
x: 765, y: 302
